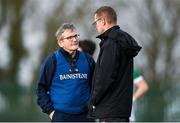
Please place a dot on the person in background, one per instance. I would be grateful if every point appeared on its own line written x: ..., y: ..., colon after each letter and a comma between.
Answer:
x: 141, y: 88
x: 63, y: 87
x: 112, y: 85
x: 87, y: 46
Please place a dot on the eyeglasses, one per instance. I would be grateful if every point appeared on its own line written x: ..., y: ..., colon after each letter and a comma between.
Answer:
x: 71, y: 37
x: 95, y: 22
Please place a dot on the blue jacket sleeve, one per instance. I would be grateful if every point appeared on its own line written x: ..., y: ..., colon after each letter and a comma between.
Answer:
x: 44, y: 82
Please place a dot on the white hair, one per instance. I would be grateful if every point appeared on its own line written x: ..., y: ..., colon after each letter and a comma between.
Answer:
x: 62, y: 28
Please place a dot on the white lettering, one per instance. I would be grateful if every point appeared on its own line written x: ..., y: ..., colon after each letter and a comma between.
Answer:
x: 73, y: 76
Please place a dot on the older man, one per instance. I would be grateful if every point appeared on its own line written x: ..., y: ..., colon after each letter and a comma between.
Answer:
x: 63, y: 87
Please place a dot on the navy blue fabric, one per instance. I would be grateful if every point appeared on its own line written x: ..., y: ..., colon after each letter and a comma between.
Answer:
x: 69, y: 89
x: 45, y: 80
x: 65, y: 117
x: 43, y: 84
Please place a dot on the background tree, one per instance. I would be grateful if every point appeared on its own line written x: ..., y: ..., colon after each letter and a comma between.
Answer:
x: 158, y: 25
x: 12, y: 12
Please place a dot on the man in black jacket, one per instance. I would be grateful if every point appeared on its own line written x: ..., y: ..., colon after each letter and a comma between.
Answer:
x: 112, y: 87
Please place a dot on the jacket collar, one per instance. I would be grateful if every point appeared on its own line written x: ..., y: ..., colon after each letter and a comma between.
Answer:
x: 68, y: 56
x: 106, y: 34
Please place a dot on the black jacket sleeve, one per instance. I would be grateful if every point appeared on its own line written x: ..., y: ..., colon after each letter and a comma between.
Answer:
x: 44, y: 82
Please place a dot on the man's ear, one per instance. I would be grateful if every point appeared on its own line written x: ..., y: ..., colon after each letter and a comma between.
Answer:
x: 104, y: 21
x: 59, y: 42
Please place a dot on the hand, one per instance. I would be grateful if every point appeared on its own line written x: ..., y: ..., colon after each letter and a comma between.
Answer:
x: 51, y: 114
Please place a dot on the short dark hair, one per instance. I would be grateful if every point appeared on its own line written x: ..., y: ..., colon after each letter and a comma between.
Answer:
x: 87, y: 46
x: 109, y: 12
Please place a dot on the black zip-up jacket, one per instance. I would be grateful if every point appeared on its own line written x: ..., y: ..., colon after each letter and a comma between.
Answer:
x: 112, y: 87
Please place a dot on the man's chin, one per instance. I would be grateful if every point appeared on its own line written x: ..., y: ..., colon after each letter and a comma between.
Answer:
x: 75, y: 47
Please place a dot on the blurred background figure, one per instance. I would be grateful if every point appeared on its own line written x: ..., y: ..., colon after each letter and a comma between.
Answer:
x: 141, y: 87
x: 87, y: 46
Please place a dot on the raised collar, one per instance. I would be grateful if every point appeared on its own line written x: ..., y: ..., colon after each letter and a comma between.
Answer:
x: 106, y: 33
